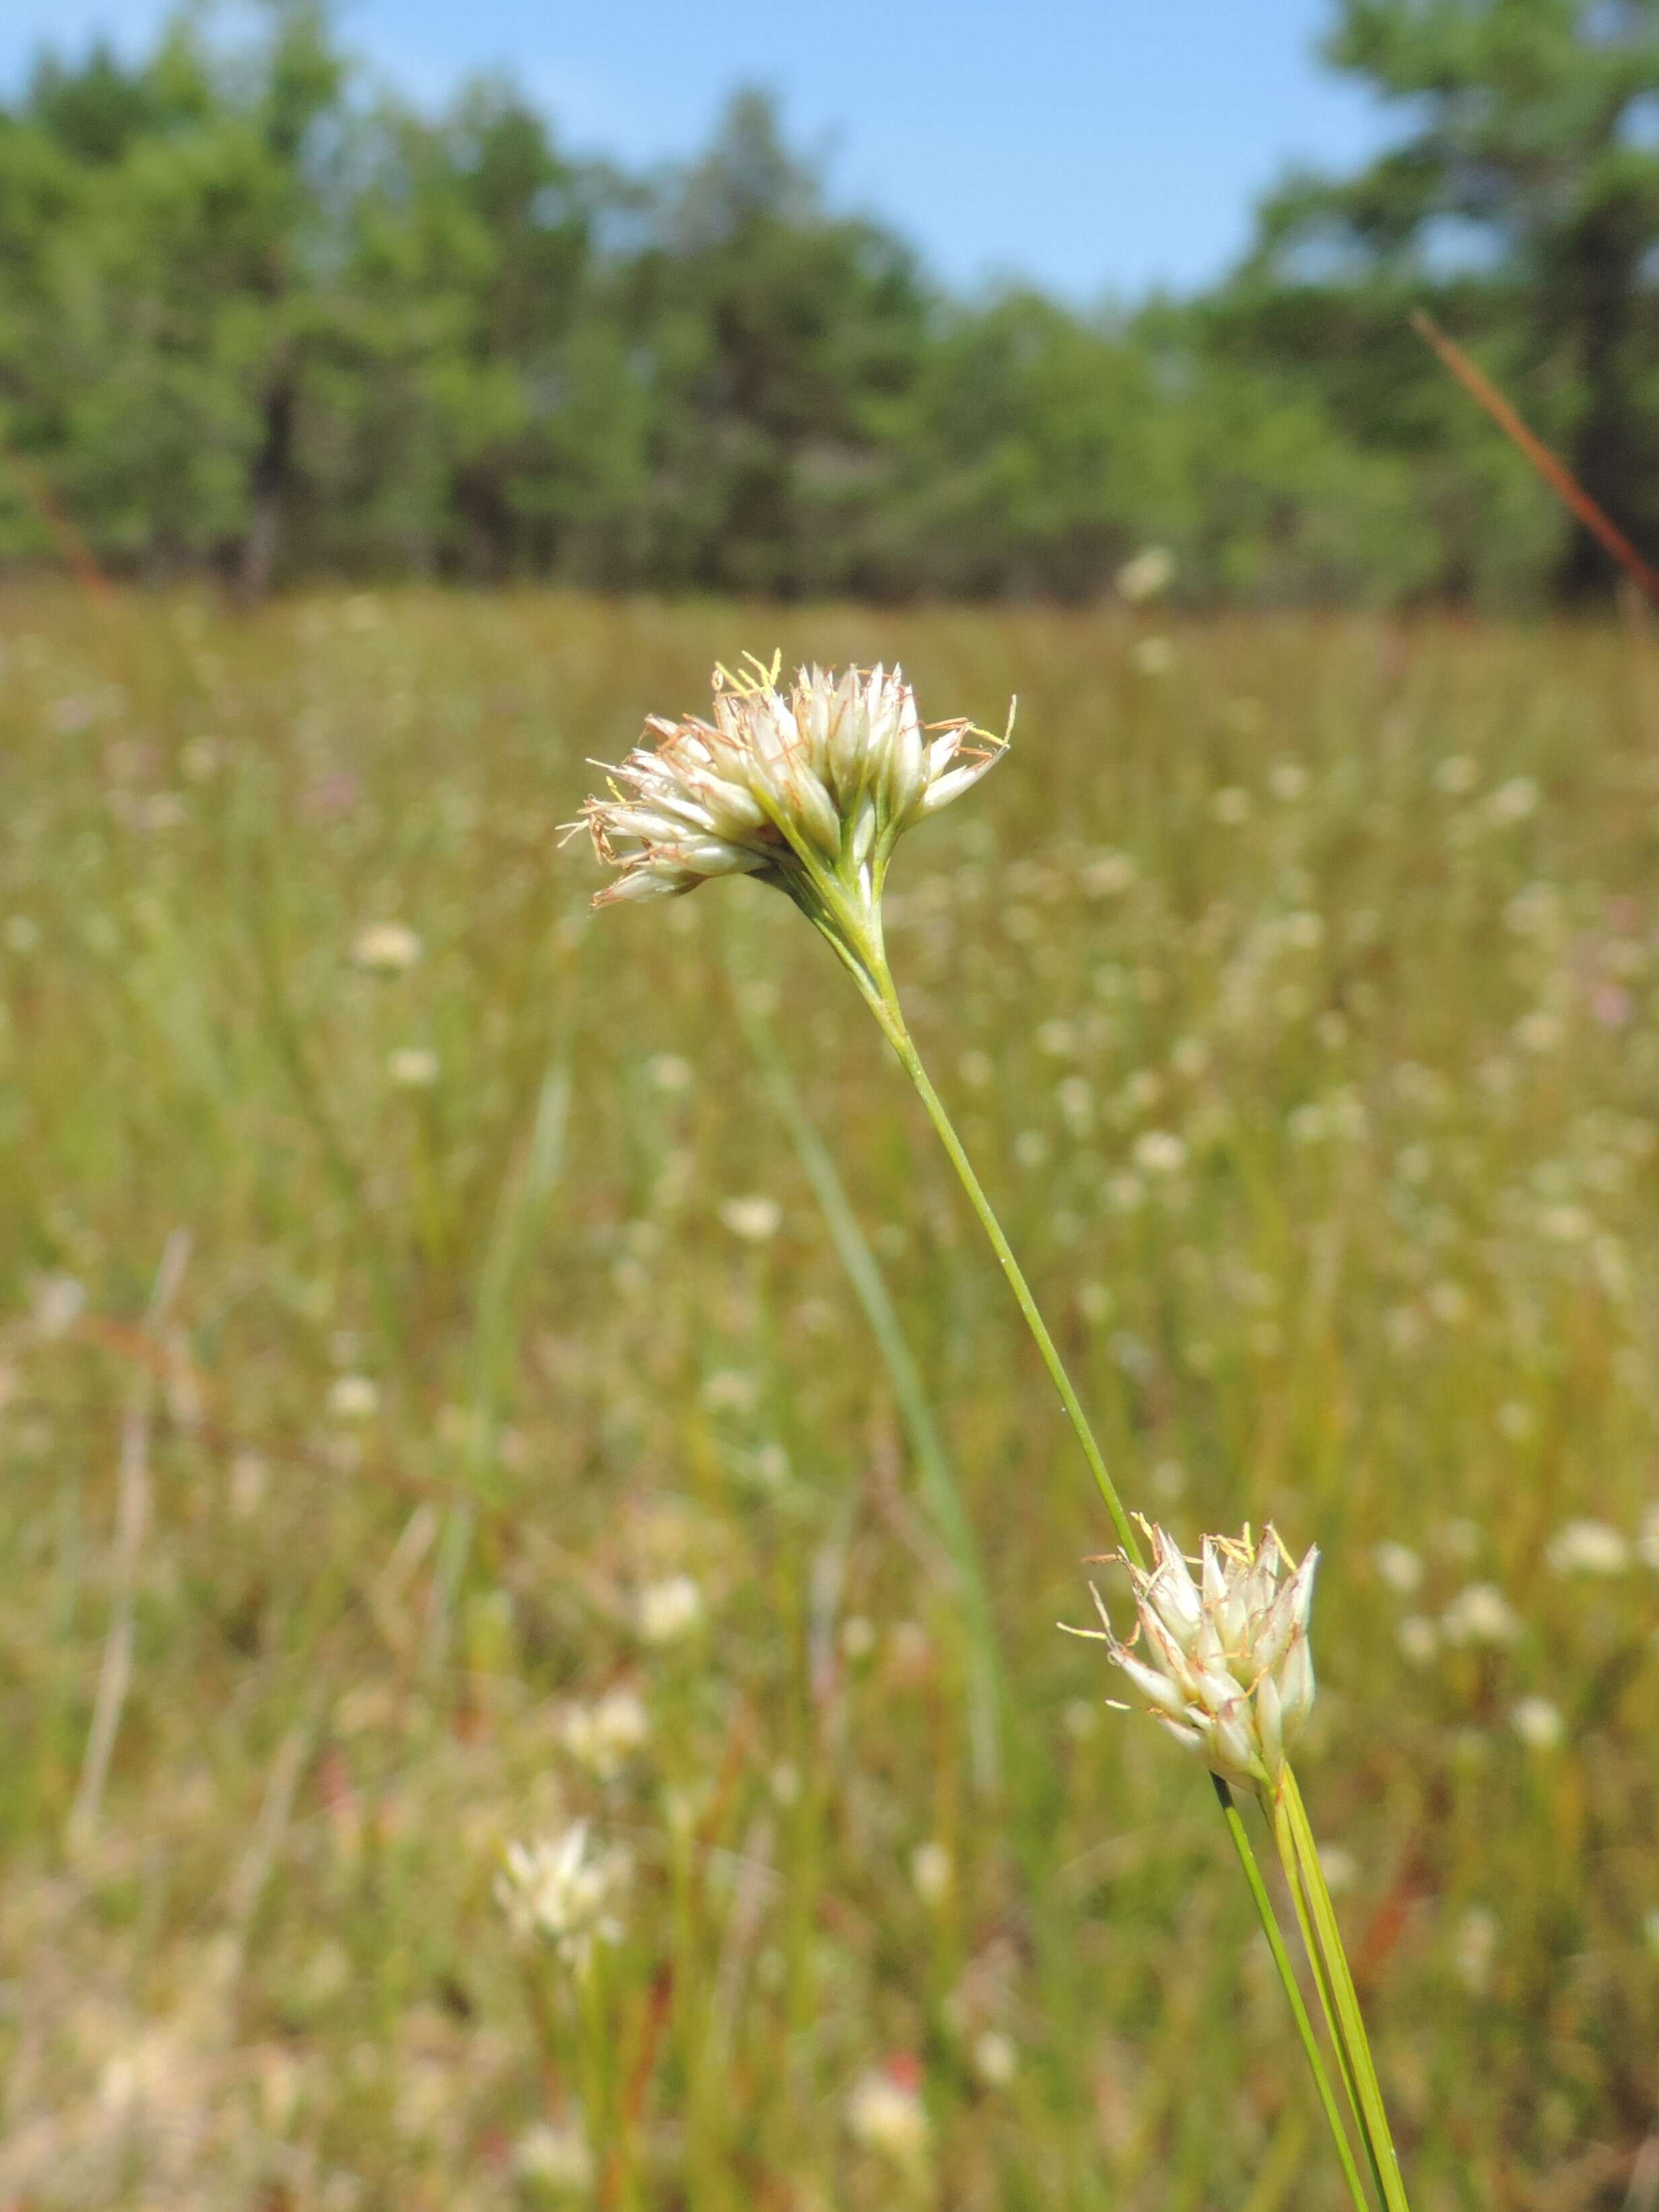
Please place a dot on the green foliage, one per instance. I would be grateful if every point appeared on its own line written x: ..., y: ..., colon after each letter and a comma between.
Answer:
x: 256, y: 313
x: 779, y: 338
x: 1524, y: 204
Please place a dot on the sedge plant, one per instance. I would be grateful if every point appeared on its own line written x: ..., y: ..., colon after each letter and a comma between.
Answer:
x: 809, y: 788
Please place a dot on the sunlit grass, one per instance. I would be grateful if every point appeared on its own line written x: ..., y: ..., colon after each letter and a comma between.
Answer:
x: 1297, y: 999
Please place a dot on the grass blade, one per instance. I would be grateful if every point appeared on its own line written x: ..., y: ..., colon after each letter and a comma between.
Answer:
x: 940, y: 1488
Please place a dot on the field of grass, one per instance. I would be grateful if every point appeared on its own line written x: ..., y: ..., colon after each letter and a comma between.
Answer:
x: 411, y: 1283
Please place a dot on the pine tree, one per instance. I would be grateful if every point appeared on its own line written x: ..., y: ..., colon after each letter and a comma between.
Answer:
x: 1528, y: 189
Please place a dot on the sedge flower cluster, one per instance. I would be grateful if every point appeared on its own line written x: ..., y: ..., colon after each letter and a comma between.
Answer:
x: 560, y: 1891
x: 1220, y: 1657
x: 807, y: 788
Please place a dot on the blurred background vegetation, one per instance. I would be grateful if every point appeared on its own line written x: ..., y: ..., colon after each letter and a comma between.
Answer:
x: 409, y: 1282
x: 435, y: 1405
x: 260, y: 313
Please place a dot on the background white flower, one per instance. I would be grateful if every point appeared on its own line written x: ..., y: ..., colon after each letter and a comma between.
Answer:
x: 669, y: 1609
x: 1588, y: 1548
x: 1538, y: 1723
x: 603, y: 1735
x: 386, y: 948
x: 1481, y: 1615
x: 1146, y: 575
x: 557, y: 2157
x: 559, y: 1890
x: 755, y: 1220
x: 414, y: 1068
x: 888, y: 2115
x: 354, y: 1398
x: 933, y: 1872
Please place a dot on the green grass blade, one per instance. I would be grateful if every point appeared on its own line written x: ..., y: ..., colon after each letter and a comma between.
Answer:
x: 940, y: 1488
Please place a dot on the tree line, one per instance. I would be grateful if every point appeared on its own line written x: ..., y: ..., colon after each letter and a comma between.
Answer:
x: 261, y: 315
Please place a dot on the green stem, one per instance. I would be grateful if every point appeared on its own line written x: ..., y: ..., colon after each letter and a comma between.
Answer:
x: 1289, y: 1861
x: 873, y: 976
x: 1293, y: 1992
x: 1385, y: 2158
x: 885, y: 1004
x: 862, y: 953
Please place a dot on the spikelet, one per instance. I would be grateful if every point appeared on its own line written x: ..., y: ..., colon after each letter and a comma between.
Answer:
x: 1220, y: 1658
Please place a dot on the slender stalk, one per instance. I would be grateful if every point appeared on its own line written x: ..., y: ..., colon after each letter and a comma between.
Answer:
x: 867, y: 964
x: 1288, y: 1860
x: 1351, y: 2022
x: 132, y: 1510
x: 599, y: 2098
x: 1293, y: 1995
x: 883, y: 1000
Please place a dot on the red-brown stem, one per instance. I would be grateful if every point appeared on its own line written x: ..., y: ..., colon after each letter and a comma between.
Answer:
x: 1554, y: 470
x: 71, y: 546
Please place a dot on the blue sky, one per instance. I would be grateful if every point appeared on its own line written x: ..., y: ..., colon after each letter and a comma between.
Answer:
x: 1099, y: 146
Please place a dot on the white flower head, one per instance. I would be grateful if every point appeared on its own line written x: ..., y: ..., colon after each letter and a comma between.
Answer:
x: 933, y: 1871
x: 557, y: 2156
x: 386, y: 948
x: 996, y: 2058
x: 669, y: 1609
x: 755, y: 1219
x: 885, y: 2113
x: 1398, y: 1565
x: 1481, y: 1615
x: 1146, y: 575
x: 808, y: 787
x: 603, y: 1735
x: 414, y: 1068
x: 1588, y: 1548
x: 59, y: 1301
x: 1223, y: 1661
x: 1474, y: 1947
x: 354, y: 1398
x: 559, y: 1891
x: 1160, y: 1152
x: 1538, y: 1723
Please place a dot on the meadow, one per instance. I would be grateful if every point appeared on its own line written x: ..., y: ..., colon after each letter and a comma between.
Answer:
x: 440, y: 1404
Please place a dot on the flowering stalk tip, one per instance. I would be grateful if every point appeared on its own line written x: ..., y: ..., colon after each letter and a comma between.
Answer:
x: 559, y: 1890
x: 808, y: 787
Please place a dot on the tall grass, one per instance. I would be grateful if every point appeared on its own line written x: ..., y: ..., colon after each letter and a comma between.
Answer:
x: 1298, y: 1003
